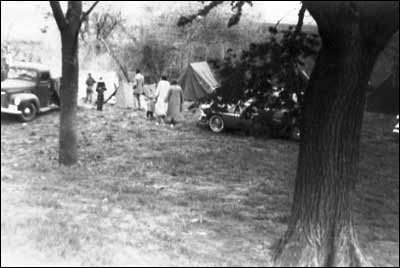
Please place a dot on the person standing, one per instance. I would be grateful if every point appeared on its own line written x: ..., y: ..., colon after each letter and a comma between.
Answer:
x: 150, y: 93
x: 161, y: 94
x: 4, y: 68
x: 175, y: 103
x: 89, y: 88
x: 101, y: 87
x: 138, y: 88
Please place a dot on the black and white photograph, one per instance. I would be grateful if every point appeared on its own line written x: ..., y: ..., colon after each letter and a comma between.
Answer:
x: 199, y: 134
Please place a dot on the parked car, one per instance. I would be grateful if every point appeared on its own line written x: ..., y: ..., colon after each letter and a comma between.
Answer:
x: 28, y: 90
x: 220, y: 116
x: 252, y: 116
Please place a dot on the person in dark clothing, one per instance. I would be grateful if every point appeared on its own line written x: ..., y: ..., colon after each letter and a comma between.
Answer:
x: 101, y: 87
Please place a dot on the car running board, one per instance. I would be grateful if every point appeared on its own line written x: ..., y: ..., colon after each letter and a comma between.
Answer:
x: 49, y: 108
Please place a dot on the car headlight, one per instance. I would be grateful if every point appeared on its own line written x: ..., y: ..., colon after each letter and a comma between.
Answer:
x: 17, y: 101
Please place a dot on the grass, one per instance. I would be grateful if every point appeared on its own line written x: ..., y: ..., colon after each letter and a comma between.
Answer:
x: 147, y: 195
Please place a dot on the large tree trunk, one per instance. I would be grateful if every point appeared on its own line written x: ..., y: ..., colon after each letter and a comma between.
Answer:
x: 68, y: 154
x: 69, y: 26
x: 320, y: 231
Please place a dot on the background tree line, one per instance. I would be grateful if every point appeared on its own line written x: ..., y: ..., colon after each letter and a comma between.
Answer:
x: 160, y: 46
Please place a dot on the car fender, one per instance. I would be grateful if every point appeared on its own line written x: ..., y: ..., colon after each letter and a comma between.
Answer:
x: 26, y: 97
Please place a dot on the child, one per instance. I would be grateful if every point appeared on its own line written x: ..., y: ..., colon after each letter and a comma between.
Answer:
x: 151, y: 101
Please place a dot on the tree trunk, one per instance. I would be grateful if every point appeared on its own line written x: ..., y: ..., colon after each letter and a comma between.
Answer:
x: 320, y: 231
x: 68, y: 152
x: 121, y: 66
x: 69, y: 26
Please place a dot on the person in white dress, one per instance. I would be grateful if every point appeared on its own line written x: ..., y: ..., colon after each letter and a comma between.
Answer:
x: 175, y: 104
x: 161, y: 94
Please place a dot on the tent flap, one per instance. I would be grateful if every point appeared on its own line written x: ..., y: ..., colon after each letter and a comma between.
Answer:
x: 198, y: 81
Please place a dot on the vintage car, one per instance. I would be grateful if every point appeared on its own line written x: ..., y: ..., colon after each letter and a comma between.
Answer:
x: 252, y: 116
x: 220, y: 116
x: 28, y: 90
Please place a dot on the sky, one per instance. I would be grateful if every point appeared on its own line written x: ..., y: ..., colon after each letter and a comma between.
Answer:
x: 23, y: 19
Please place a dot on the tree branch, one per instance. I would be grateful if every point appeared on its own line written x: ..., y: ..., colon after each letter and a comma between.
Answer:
x: 202, y: 12
x: 59, y: 15
x: 81, y: 20
x: 115, y: 57
x: 128, y: 33
x: 86, y: 14
x: 299, y: 25
x: 238, y: 6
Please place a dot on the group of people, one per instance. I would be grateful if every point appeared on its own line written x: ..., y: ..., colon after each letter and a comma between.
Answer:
x: 100, y: 89
x: 163, y: 102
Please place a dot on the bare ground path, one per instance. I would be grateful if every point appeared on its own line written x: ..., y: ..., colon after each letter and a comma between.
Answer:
x: 147, y: 195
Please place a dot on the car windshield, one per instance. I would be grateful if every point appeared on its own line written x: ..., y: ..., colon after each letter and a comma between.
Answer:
x: 22, y: 73
x: 241, y: 106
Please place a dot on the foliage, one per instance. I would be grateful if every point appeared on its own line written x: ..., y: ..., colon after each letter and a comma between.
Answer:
x: 130, y: 47
x: 156, y: 57
x: 159, y: 46
x: 276, y: 63
x: 22, y: 50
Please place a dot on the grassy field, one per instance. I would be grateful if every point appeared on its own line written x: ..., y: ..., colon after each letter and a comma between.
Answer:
x: 147, y: 195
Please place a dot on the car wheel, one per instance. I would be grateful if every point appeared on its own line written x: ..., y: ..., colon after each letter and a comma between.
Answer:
x: 216, y: 123
x: 28, y: 111
x: 295, y: 133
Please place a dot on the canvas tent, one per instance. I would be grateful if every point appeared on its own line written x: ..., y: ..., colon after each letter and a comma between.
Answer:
x: 124, y: 96
x: 385, y: 98
x: 198, y: 81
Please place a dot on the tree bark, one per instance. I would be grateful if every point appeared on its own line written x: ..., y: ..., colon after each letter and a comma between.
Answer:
x: 69, y: 26
x: 320, y: 231
x: 68, y: 147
